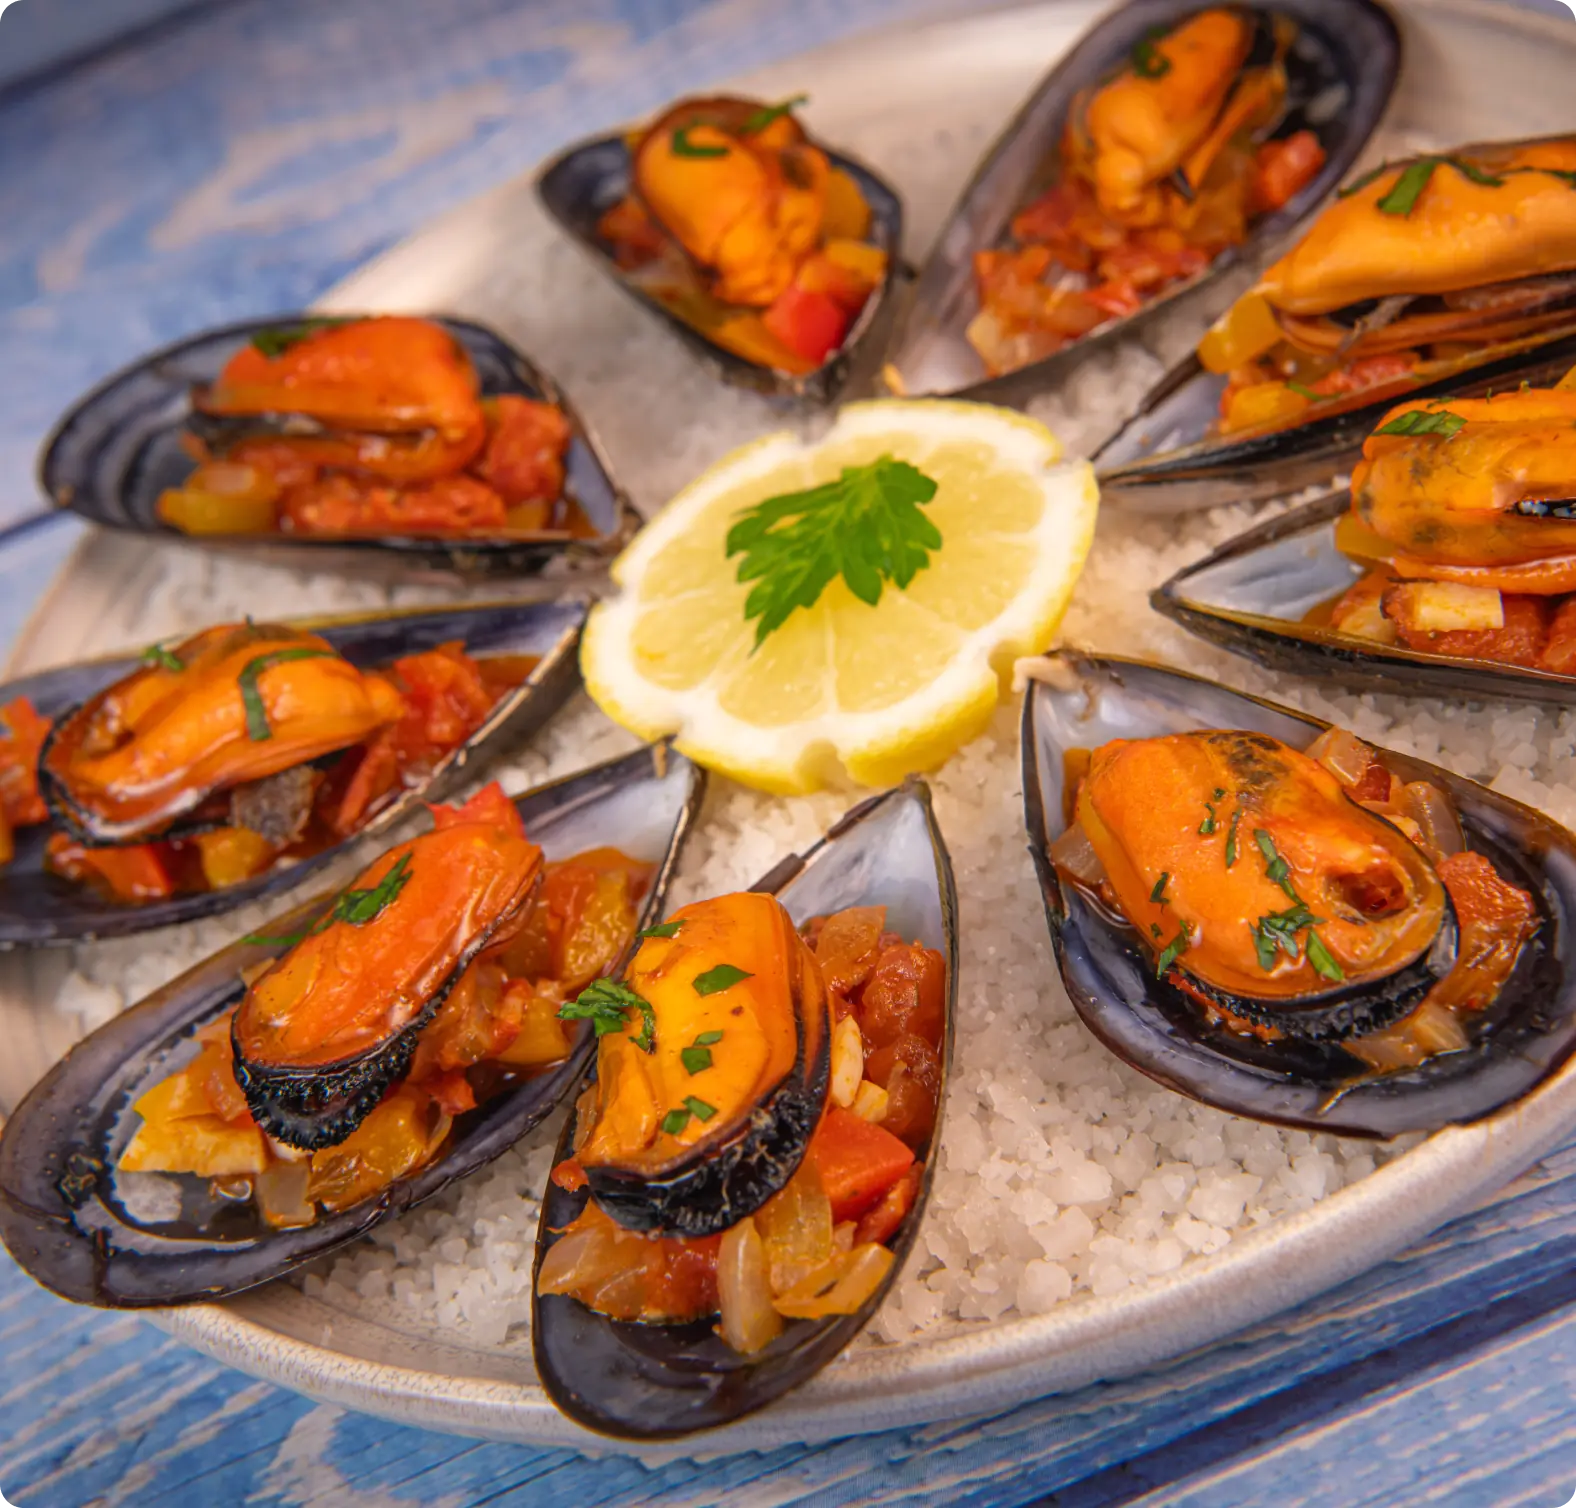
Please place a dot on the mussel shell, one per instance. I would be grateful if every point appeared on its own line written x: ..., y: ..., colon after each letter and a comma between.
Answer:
x: 39, y: 908
x: 1514, y: 1044
x: 582, y: 183
x: 63, y: 1216
x: 1251, y: 595
x: 1163, y: 461
x: 655, y: 1382
x: 1342, y: 42
x: 119, y: 447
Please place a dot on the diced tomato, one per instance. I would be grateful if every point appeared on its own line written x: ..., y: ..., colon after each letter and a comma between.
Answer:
x: 22, y: 735
x: 569, y: 1176
x: 526, y: 441
x: 376, y: 774
x: 1281, y: 168
x: 451, y: 1091
x: 634, y: 236
x: 488, y: 805
x: 357, y: 505
x: 446, y: 699
x: 810, y: 324
x: 1366, y: 372
x: 909, y: 1069
x: 857, y: 1161
x: 1116, y: 299
x: 1559, y: 653
x: 882, y: 1221
x: 906, y: 994
x: 139, y: 873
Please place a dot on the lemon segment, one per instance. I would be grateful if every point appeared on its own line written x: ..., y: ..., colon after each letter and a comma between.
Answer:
x: 843, y: 689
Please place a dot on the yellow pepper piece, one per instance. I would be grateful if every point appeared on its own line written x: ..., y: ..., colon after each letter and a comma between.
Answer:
x: 1245, y: 331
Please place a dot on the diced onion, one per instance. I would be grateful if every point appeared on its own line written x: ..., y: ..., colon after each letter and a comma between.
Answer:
x: 848, y: 1061
x: 1343, y: 754
x: 747, y: 1320
x: 795, y: 1226
x: 844, y: 1286
x: 870, y: 1103
x: 281, y: 1195
x: 1074, y: 855
x: 1430, y: 808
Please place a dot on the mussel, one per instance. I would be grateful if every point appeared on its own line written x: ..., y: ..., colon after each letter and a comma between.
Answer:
x: 1266, y: 914
x: 215, y: 816
x: 77, y: 1212
x: 1172, y: 143
x: 1441, y: 275
x: 1452, y: 567
x: 381, y: 443
x: 771, y: 256
x: 782, y: 1246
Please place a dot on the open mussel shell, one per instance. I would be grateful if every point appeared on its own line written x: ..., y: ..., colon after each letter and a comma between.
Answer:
x: 37, y: 907
x: 1164, y: 460
x: 1253, y: 594
x: 654, y: 1382
x: 1529, y: 1030
x: 119, y: 447
x: 582, y: 183
x: 74, y: 1224
x: 1340, y: 73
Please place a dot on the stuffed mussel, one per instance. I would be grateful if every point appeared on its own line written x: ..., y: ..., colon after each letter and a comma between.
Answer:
x: 745, y: 1173
x: 1267, y: 914
x: 1453, y: 566
x: 139, y: 792
x: 769, y: 254
x: 1441, y: 275
x: 1172, y: 142
x: 378, y: 441
x: 351, y: 1059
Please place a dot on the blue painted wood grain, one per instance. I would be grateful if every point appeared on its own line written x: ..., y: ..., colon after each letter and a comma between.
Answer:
x: 245, y: 162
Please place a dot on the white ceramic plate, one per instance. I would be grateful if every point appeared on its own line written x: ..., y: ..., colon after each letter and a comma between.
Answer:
x: 1473, y: 71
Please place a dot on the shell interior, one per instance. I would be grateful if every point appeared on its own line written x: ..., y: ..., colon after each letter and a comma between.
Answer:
x: 652, y: 1382
x: 1514, y: 1044
x: 119, y: 447
x: 138, y: 1240
x: 587, y: 180
x: 1252, y: 594
x: 39, y: 908
x: 1341, y: 71
x: 1164, y: 461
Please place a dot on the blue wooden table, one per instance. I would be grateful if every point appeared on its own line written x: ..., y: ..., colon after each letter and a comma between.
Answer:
x: 241, y: 160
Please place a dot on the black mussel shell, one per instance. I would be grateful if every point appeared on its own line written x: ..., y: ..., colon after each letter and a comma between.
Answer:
x: 1252, y: 595
x: 39, y: 908
x: 656, y: 1382
x: 1516, y: 1043
x: 68, y: 1220
x: 1163, y: 460
x: 722, y: 1182
x: 1340, y: 73
x: 119, y: 447
x: 584, y: 182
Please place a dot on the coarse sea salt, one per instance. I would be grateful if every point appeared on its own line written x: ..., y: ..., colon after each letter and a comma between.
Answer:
x: 1063, y: 1174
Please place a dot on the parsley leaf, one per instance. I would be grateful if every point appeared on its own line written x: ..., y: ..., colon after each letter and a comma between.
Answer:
x: 768, y: 113
x: 1302, y: 390
x: 866, y: 526
x: 1147, y: 60
x: 1274, y: 865
x: 699, y: 1108
x: 723, y: 977
x: 353, y: 907
x: 675, y: 1121
x: 1159, y: 892
x: 708, y: 1039
x: 278, y: 339
x: 157, y: 654
x: 1173, y: 951
x: 684, y: 147
x: 1206, y: 828
x: 695, y: 1059
x: 606, y: 1004
x: 257, y: 728
x: 1416, y: 421
x: 662, y: 929
x: 1231, y: 838
x: 1323, y: 963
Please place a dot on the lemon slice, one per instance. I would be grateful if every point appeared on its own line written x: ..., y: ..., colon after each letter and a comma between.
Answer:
x: 876, y: 692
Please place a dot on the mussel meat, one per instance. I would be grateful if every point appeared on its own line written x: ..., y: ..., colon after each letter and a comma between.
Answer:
x: 143, y: 791
x: 1440, y: 275
x: 282, y: 1127
x: 1287, y: 922
x: 388, y: 440
x: 1172, y: 141
x: 770, y: 1224
x: 770, y: 254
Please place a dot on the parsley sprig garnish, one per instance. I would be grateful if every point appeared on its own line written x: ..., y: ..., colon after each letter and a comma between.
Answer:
x: 606, y: 1004
x: 684, y: 147
x: 1280, y: 930
x: 723, y: 977
x: 257, y: 728
x: 1402, y: 196
x: 866, y: 527
x: 676, y: 1120
x: 1147, y: 59
x: 164, y: 659
x: 353, y: 907
x: 768, y: 113
x: 278, y: 339
x: 662, y: 929
x: 1417, y: 421
x: 696, y: 1058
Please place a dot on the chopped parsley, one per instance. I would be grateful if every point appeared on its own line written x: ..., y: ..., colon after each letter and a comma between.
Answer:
x: 723, y: 977
x: 277, y: 339
x: 157, y: 654
x: 1416, y: 421
x: 1158, y: 894
x: 662, y: 929
x: 768, y: 113
x: 684, y: 147
x: 353, y: 907
x: 1231, y: 838
x: 1148, y: 61
x: 1173, y: 951
x: 696, y: 1058
x: 606, y: 1003
x: 1206, y: 828
x: 1274, y: 865
x: 676, y: 1120
x: 1302, y: 390
x: 257, y: 728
